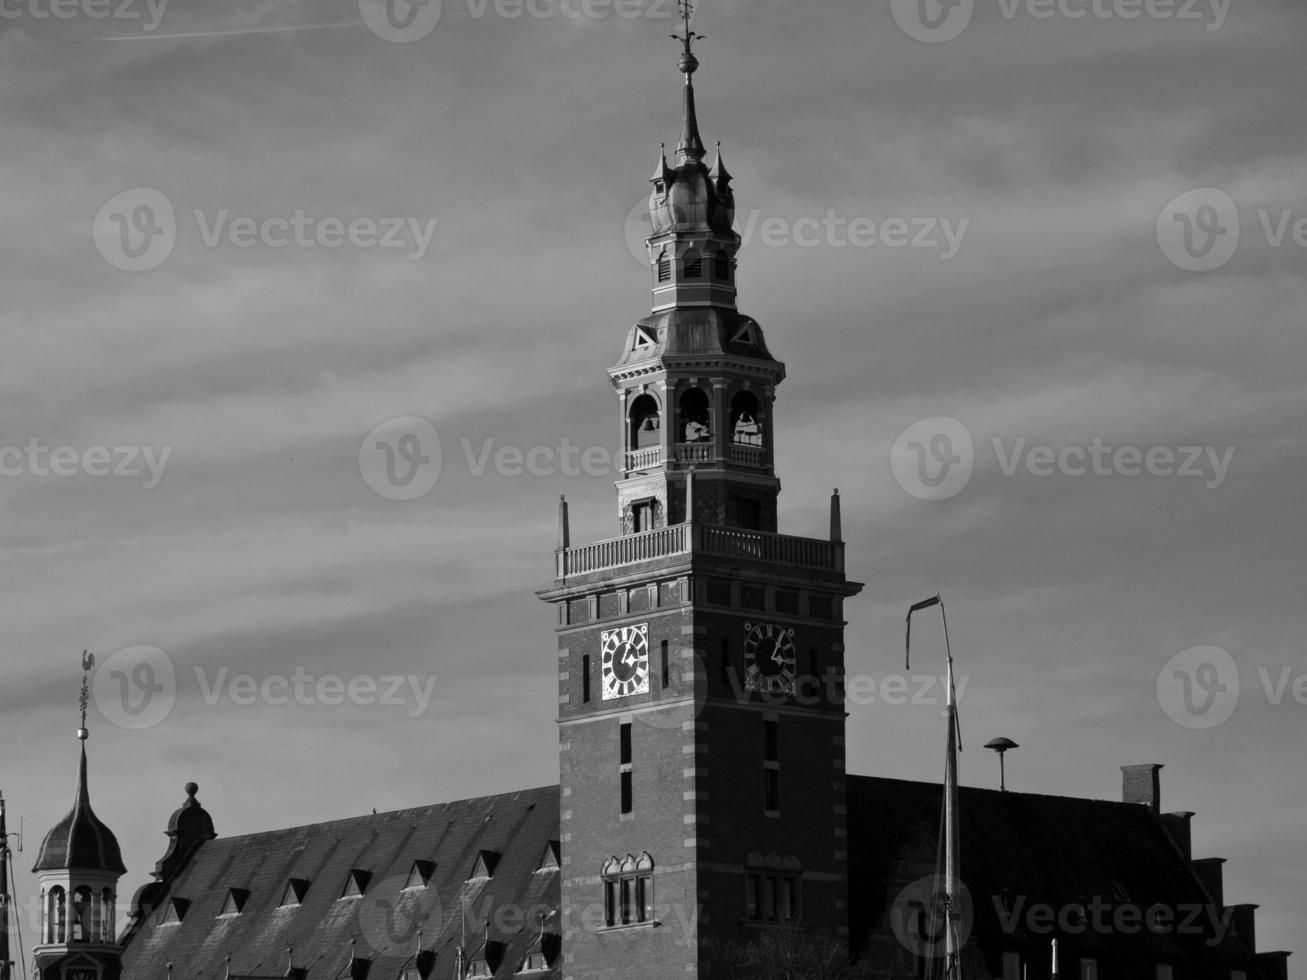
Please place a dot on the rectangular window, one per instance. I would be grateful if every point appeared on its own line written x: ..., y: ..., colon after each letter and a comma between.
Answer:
x: 642, y: 515
x: 666, y: 665
x: 1088, y: 970
x: 627, y: 801
x: 1012, y: 966
x: 771, y: 790
x: 748, y: 513
x: 585, y: 679
x: 770, y: 742
x: 626, y: 744
x: 813, y: 668
x: 612, y: 903
x: 1164, y: 972
x: 726, y: 661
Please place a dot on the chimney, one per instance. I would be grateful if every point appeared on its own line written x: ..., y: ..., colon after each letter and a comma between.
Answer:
x: 1142, y: 784
x: 1244, y: 919
x: 1212, y: 875
x: 1178, y: 829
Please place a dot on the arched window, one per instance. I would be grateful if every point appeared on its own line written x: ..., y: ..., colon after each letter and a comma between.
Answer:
x: 745, y: 428
x: 108, y: 922
x: 692, y: 264
x: 81, y: 924
x: 664, y: 266
x: 628, y: 890
x: 722, y: 266
x: 56, y: 913
x: 695, y: 417
x: 644, y: 422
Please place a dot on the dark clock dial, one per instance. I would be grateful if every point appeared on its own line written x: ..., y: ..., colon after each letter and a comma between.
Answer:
x: 769, y: 658
x: 624, y: 656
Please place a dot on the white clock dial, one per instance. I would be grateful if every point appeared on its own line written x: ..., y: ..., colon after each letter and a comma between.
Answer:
x: 768, y: 658
x: 625, y: 661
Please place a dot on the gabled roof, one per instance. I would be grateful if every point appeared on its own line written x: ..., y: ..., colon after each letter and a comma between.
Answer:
x: 450, y: 839
x: 1022, y: 849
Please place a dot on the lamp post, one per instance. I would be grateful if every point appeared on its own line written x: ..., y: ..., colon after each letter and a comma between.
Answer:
x: 1001, y: 745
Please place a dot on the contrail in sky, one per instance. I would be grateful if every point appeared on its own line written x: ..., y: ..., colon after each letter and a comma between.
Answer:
x: 251, y: 30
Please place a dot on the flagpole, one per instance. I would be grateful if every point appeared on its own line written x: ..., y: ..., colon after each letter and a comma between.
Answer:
x: 5, y: 966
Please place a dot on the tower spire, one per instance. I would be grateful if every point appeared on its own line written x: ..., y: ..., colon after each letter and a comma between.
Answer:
x: 690, y: 148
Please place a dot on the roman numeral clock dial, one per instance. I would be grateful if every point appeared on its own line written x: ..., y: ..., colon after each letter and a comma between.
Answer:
x: 768, y: 658
x: 625, y: 657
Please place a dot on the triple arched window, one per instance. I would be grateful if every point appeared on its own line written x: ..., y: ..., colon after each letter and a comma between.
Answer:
x: 628, y: 890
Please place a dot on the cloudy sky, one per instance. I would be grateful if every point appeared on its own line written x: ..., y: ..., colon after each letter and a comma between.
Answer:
x: 965, y: 235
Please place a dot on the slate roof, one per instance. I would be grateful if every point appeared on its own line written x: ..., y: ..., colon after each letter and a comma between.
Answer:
x: 80, y: 840
x: 1028, y: 848
x: 507, y: 834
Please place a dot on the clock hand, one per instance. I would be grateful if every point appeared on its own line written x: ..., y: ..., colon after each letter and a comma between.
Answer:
x: 629, y: 658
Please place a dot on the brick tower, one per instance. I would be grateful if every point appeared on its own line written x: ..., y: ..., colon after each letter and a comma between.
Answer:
x: 701, y: 654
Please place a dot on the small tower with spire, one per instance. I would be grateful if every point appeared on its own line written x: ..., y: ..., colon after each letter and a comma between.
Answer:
x: 78, y: 868
x: 695, y: 382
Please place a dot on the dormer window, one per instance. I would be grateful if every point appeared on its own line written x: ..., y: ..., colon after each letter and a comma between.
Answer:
x: 356, y: 883
x: 485, y: 865
x: 479, y: 967
x: 693, y: 264
x: 419, y: 876
x: 294, y: 894
x: 235, y: 901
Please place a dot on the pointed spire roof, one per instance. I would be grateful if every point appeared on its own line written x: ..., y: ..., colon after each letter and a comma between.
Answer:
x: 80, y: 840
x: 720, y: 175
x: 690, y: 148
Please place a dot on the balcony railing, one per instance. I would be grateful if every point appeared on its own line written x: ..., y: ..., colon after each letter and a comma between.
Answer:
x: 747, y: 455
x: 694, y: 452
x: 705, y: 539
x: 644, y: 459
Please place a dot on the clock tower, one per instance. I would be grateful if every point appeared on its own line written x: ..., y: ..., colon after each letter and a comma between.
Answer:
x: 700, y: 651
x: 78, y: 869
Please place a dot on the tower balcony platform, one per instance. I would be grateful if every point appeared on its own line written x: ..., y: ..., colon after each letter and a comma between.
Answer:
x: 613, y: 556
x: 695, y: 453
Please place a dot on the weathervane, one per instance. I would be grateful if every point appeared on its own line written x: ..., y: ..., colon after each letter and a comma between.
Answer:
x: 689, y: 37
x: 88, y: 662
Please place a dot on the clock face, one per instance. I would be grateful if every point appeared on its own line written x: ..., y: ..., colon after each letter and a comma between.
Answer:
x: 625, y: 653
x: 768, y: 658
